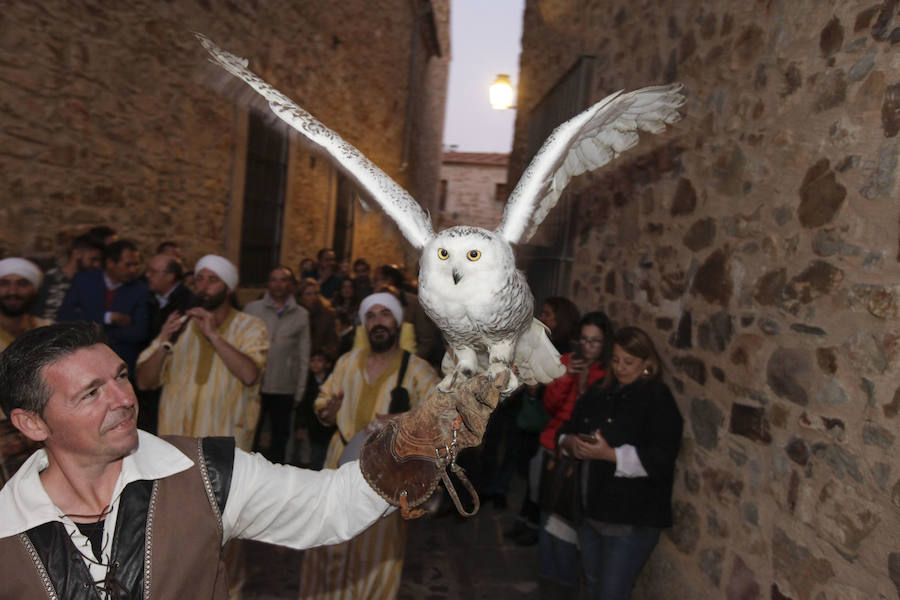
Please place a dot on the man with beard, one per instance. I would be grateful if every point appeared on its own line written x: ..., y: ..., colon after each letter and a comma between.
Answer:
x: 358, y: 391
x: 114, y: 297
x: 19, y: 282
x: 84, y: 254
x: 284, y: 382
x: 208, y: 361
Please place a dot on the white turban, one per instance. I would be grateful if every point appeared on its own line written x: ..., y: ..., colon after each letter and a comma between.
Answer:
x: 23, y: 268
x: 389, y: 301
x: 222, y: 267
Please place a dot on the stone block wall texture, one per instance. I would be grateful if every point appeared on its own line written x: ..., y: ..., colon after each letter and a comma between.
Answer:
x: 472, y: 180
x: 112, y: 114
x: 758, y: 243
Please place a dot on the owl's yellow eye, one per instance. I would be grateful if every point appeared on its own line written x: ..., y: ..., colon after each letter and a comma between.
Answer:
x: 443, y: 254
x: 473, y: 255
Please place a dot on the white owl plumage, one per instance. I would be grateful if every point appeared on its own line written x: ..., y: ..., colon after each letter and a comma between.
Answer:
x: 468, y: 282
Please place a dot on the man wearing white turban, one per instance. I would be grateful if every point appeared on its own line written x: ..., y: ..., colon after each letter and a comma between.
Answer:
x: 19, y: 283
x: 367, y: 383
x: 209, y: 361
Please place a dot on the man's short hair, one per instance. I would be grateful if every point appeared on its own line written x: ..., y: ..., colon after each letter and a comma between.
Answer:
x: 22, y: 383
x: 175, y: 267
x: 100, y: 233
x: 321, y: 252
x: 167, y: 244
x: 85, y: 242
x: 113, y: 252
x: 361, y: 262
x: 287, y: 270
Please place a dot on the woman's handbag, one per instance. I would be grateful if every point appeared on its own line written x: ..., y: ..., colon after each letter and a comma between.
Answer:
x: 560, y: 487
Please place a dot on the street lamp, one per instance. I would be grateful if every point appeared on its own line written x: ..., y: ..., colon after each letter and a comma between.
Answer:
x: 501, y: 93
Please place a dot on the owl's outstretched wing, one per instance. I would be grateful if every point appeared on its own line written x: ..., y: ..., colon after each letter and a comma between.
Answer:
x: 412, y: 220
x: 583, y: 143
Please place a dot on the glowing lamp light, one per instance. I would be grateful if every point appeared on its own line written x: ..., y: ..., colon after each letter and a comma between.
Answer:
x: 501, y: 92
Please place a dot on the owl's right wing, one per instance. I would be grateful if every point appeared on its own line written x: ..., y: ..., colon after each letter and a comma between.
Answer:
x: 585, y: 142
x: 413, y: 221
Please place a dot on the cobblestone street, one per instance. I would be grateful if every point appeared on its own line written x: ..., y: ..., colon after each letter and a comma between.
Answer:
x: 446, y: 558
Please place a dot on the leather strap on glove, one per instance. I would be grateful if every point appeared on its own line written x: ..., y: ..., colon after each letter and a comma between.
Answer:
x: 405, y: 459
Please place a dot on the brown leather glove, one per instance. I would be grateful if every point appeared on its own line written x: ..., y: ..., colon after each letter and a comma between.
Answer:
x: 404, y: 460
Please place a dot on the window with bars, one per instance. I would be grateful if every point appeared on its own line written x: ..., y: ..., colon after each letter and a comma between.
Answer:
x: 266, y: 174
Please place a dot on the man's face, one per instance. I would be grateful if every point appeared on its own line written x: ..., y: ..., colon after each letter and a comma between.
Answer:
x: 126, y: 269
x: 318, y: 364
x: 381, y: 328
x: 309, y: 296
x: 16, y: 295
x: 88, y: 258
x: 327, y: 260
x: 280, y: 284
x: 92, y: 410
x: 210, y: 289
x: 361, y: 270
x: 158, y: 279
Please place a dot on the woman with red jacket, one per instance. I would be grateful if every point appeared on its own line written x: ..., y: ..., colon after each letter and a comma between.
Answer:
x: 557, y: 542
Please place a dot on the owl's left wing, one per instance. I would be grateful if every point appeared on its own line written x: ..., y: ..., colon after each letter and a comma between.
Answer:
x: 409, y: 216
x: 583, y: 143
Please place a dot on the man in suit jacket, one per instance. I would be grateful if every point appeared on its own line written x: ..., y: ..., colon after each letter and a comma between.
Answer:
x: 113, y: 297
x: 168, y: 294
x: 165, y: 273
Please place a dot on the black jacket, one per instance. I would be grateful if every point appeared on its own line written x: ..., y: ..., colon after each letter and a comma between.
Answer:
x: 644, y: 415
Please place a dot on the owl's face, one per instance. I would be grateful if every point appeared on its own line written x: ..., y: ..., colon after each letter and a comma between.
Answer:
x: 462, y: 258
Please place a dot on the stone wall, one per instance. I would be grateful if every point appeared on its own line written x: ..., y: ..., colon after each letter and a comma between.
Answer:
x: 472, y: 180
x: 112, y: 114
x: 758, y: 243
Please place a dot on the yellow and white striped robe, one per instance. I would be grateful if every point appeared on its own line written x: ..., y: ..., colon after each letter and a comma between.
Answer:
x: 200, y: 396
x: 369, y: 565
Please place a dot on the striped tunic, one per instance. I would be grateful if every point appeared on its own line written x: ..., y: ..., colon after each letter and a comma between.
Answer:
x: 200, y: 396
x: 369, y: 565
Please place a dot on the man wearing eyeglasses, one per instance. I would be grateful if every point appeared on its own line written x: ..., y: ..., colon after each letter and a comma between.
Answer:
x: 107, y: 510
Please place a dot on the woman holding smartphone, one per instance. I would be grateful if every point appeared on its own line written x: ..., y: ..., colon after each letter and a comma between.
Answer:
x: 627, y: 433
x: 557, y: 538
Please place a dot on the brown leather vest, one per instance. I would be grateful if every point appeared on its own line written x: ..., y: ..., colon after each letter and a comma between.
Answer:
x: 167, y: 543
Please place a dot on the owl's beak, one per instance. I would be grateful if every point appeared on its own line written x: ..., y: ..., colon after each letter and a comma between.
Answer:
x: 456, y: 276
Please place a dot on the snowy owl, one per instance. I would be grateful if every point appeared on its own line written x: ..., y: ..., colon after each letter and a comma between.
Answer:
x: 468, y: 281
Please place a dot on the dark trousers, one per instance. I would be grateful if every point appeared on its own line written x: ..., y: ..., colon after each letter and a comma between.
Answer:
x: 612, y: 562
x: 277, y: 408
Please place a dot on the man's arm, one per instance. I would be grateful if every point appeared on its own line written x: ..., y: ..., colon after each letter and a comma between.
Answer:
x: 70, y: 309
x: 298, y: 508
x: 150, y: 362
x: 136, y: 331
x: 241, y: 365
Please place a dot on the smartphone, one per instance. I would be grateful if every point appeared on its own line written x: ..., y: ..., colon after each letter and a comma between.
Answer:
x: 587, y: 437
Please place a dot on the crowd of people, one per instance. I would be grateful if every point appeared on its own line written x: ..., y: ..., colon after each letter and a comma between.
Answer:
x: 302, y: 373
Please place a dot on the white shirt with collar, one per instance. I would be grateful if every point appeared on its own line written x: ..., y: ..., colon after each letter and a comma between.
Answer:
x: 270, y: 503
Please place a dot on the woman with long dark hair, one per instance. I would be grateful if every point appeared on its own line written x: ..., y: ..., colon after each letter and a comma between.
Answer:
x: 626, y: 433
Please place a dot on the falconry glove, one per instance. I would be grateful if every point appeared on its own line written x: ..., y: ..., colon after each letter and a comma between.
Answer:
x: 406, y: 458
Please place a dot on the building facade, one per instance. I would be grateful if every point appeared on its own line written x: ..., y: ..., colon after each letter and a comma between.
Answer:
x: 758, y: 243
x: 113, y: 115
x: 473, y: 189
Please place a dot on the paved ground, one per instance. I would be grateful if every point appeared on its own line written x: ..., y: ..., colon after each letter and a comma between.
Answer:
x: 446, y: 558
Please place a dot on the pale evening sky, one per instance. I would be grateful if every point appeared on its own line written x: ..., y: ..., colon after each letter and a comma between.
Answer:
x: 485, y: 40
